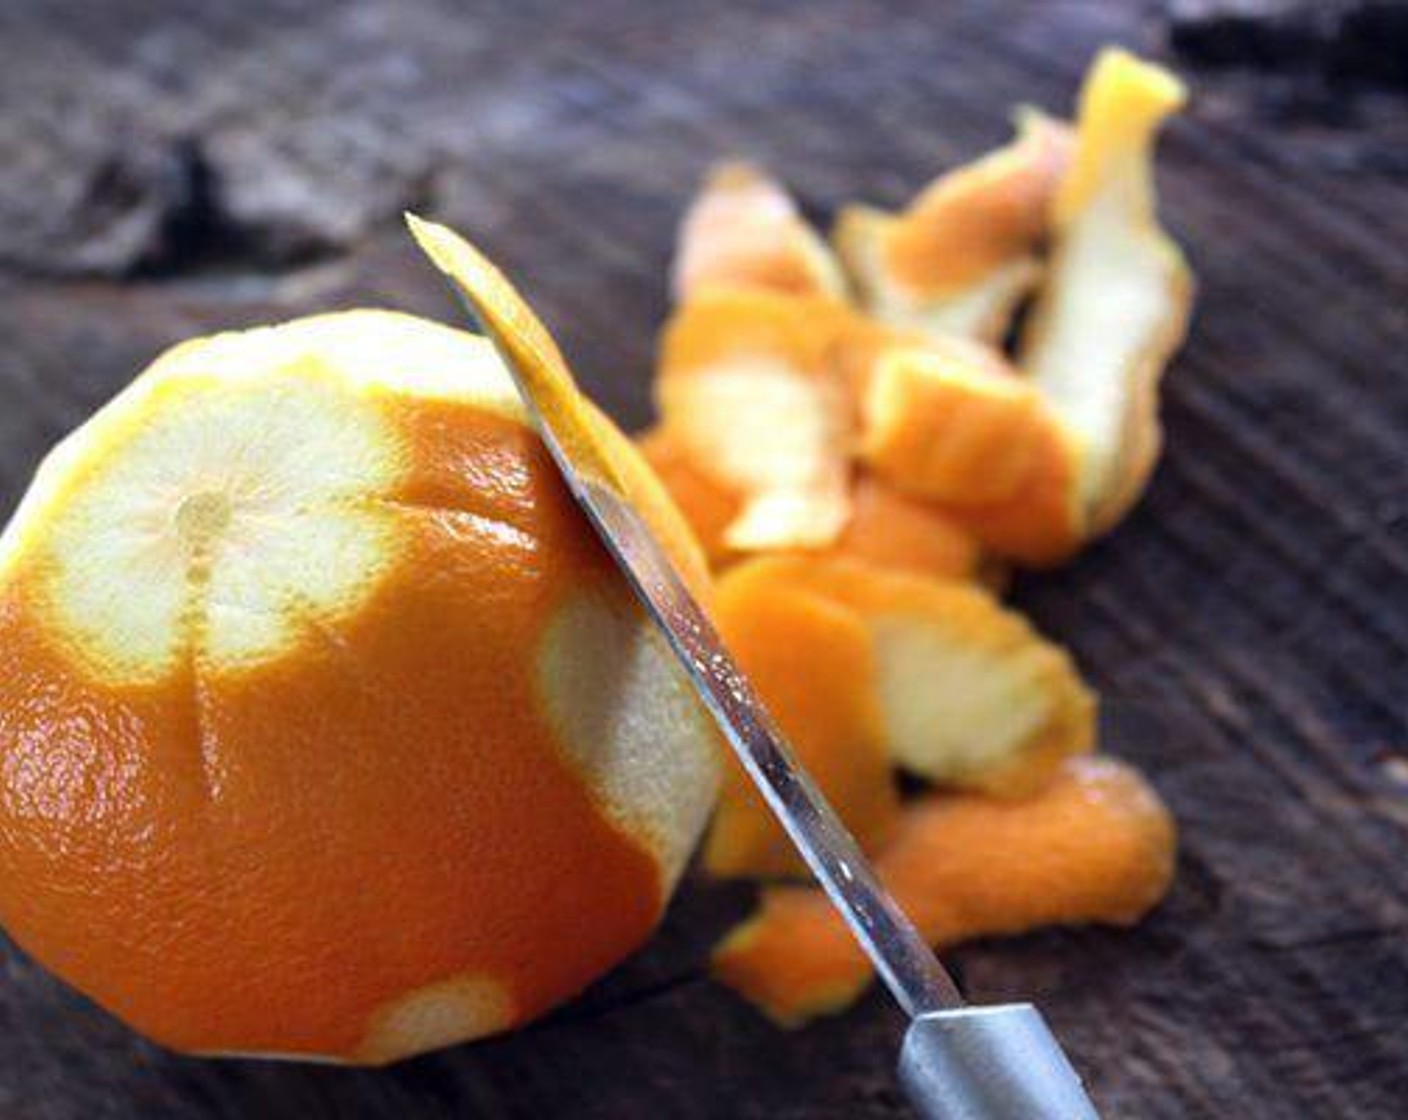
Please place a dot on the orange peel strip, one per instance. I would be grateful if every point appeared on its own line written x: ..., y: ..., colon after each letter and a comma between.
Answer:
x: 744, y: 230
x: 753, y: 386
x: 812, y: 661
x: 950, y: 423
x: 965, y: 253
x: 894, y: 531
x: 707, y: 505
x: 969, y: 694
x: 1095, y: 846
x: 1117, y: 297
x: 886, y: 527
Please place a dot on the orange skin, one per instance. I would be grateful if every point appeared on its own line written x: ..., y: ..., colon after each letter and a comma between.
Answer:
x: 709, y: 506
x: 892, y: 531
x: 186, y: 820
x: 982, y: 215
x: 743, y: 230
x: 1042, y: 525
x: 961, y: 442
x: 982, y: 448
x: 817, y: 683
x: 886, y: 528
x: 1097, y: 845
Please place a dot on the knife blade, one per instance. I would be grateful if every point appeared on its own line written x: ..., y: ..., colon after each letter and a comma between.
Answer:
x: 957, y: 1062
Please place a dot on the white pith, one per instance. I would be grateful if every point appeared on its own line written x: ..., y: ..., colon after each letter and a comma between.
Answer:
x: 773, y: 432
x: 219, y: 504
x: 1105, y: 307
x: 949, y: 708
x: 980, y: 310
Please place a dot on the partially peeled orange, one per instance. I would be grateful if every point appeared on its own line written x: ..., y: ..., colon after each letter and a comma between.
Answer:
x: 328, y: 727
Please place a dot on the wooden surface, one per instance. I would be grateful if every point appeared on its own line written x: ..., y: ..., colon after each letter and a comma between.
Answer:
x: 171, y: 168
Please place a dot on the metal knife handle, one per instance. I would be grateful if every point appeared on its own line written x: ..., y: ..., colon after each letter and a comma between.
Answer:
x: 990, y: 1063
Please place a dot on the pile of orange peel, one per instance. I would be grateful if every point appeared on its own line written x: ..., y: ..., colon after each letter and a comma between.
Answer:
x: 867, y: 435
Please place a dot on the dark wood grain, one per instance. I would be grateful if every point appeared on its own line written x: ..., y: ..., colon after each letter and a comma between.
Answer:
x: 168, y: 168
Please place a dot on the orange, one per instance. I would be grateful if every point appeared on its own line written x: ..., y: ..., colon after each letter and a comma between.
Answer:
x: 328, y: 727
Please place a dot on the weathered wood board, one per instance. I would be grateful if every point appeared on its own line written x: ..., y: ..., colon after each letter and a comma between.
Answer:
x: 168, y: 168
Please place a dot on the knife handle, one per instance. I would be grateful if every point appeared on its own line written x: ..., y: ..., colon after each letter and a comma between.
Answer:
x: 990, y: 1063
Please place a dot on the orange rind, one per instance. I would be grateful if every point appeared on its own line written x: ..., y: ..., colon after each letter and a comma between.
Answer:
x: 891, y: 530
x: 1097, y: 845
x: 709, y: 506
x: 1116, y: 300
x: 329, y: 729
x: 812, y: 662
x: 968, y: 694
x: 744, y: 230
x: 753, y: 387
x: 885, y: 526
x: 951, y: 424
x: 961, y: 258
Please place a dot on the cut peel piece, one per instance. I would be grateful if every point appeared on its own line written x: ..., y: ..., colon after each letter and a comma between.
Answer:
x: 744, y: 230
x: 1117, y: 297
x: 1097, y: 845
x: 886, y: 527
x: 965, y: 253
x: 891, y: 530
x: 812, y: 662
x: 753, y: 386
x: 950, y: 423
x: 969, y: 695
x: 708, y: 506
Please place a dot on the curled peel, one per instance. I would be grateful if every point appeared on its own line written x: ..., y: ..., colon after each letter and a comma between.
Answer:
x: 709, y: 506
x: 965, y: 253
x: 968, y: 694
x: 1116, y: 300
x: 813, y: 662
x: 1095, y: 846
x: 949, y: 423
x: 894, y: 531
x: 753, y: 387
x: 885, y: 526
x: 744, y: 230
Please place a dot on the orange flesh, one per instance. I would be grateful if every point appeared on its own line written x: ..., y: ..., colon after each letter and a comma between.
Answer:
x: 185, y: 820
x: 812, y: 664
x: 982, y: 215
x: 1095, y: 846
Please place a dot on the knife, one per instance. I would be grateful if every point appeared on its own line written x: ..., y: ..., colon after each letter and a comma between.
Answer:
x: 957, y: 1062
